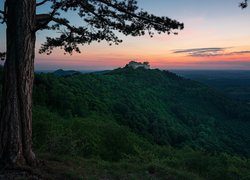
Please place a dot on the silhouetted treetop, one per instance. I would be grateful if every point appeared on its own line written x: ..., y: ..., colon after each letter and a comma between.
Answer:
x: 244, y: 4
x: 101, y: 20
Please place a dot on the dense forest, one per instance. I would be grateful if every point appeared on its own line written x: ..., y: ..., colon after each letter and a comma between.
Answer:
x: 234, y: 83
x: 140, y: 124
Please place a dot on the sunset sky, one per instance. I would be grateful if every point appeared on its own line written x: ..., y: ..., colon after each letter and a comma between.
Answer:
x: 216, y: 36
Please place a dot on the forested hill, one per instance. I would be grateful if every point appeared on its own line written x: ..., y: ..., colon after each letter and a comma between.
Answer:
x: 157, y: 105
x: 137, y: 124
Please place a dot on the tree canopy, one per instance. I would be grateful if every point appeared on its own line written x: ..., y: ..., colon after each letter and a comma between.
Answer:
x: 244, y: 4
x: 102, y: 19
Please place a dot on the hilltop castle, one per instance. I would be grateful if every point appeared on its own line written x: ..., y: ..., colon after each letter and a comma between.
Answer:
x: 136, y: 65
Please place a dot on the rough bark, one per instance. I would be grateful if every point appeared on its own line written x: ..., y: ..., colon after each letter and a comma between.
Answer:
x: 16, y: 105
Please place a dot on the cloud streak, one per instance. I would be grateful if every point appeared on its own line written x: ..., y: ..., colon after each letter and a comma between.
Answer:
x: 209, y: 52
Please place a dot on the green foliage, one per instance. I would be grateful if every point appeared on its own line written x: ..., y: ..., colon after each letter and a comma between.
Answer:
x: 87, y: 137
x: 117, y: 152
x: 139, y: 124
x: 158, y: 105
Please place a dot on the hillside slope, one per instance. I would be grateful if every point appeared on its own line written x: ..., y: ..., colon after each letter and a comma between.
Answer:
x: 136, y: 124
x: 157, y: 105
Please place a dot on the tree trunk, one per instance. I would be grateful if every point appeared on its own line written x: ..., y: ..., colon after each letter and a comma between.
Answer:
x: 16, y: 105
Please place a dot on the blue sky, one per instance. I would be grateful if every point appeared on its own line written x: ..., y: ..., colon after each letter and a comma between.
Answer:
x: 215, y: 24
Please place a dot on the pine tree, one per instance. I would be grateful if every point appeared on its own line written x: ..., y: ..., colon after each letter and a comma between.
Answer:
x: 101, y: 20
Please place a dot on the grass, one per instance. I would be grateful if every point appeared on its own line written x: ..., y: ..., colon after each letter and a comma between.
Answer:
x: 58, y: 167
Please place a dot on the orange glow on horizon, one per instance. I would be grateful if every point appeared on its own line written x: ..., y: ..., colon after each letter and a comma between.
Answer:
x: 172, y: 61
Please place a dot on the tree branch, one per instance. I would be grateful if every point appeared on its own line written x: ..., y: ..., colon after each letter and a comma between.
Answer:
x: 42, y: 20
x: 41, y: 3
x: 108, y: 3
x: 103, y: 17
x: 65, y: 23
x: 94, y: 13
x: 4, y: 12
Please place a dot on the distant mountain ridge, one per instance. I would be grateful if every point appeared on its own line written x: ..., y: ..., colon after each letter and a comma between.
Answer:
x: 61, y: 72
x: 234, y: 83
